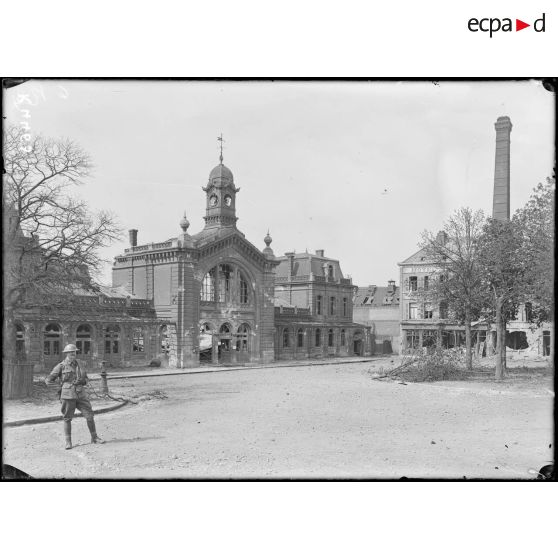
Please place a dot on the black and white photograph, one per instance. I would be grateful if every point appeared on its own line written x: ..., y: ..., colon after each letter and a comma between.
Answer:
x: 276, y: 280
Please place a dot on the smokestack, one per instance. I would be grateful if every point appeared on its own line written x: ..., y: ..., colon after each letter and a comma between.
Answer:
x: 501, y: 203
x: 133, y: 237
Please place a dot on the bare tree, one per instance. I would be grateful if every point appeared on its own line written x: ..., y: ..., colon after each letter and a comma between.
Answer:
x: 457, y: 282
x: 51, y: 238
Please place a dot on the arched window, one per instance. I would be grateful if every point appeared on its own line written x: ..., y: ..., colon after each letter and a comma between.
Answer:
x: 208, y: 286
x: 243, y: 336
x: 137, y: 340
x: 318, y: 337
x: 20, y: 340
x: 330, y: 271
x: 332, y: 305
x: 319, y: 305
x: 112, y: 339
x: 52, y: 340
x: 300, y: 338
x: 343, y: 341
x: 243, y: 290
x: 286, y: 337
x: 330, y: 338
x: 83, y: 340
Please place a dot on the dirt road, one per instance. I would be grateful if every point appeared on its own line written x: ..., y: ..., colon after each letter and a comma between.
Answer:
x: 305, y: 422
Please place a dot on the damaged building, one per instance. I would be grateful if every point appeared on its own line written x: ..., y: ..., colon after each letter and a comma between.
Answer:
x: 428, y: 324
x: 218, y: 293
x: 378, y: 307
x: 314, y: 309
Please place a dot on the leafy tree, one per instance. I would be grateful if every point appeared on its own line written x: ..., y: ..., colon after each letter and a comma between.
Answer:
x: 502, y: 269
x: 536, y: 220
x: 51, y: 238
x: 457, y: 283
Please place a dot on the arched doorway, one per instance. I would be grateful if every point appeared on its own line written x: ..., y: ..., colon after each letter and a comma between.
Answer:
x: 20, y: 352
x: 358, y: 343
x: 225, y: 343
x: 206, y: 343
x: 243, y: 343
x: 112, y: 344
x: 52, y: 345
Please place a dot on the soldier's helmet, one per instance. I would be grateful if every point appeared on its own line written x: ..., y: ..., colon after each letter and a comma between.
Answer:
x: 70, y: 348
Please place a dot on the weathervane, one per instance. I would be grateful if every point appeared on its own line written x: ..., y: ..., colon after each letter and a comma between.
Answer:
x: 221, y: 140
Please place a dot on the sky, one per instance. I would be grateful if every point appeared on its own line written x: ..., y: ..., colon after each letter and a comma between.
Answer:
x: 358, y: 169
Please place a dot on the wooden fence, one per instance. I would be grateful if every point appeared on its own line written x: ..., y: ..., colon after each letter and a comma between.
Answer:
x: 17, y: 380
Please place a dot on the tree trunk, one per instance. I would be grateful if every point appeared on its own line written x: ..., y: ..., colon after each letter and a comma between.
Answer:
x: 9, y: 348
x: 500, y: 341
x: 468, y: 343
x: 551, y: 360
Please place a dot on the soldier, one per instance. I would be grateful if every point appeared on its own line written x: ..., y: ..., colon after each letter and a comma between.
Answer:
x: 73, y: 394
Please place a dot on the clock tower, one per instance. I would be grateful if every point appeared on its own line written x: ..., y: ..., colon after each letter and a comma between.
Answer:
x: 220, y: 210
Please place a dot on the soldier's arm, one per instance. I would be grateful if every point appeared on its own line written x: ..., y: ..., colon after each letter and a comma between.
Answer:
x: 51, y: 378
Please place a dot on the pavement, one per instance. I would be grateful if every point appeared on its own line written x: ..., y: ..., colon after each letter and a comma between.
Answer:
x: 304, y: 422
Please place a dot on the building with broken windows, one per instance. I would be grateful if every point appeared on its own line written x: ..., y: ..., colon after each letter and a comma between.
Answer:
x: 427, y: 325
x: 225, y: 301
x: 105, y: 323
x: 209, y: 297
x: 378, y: 307
x: 314, y: 309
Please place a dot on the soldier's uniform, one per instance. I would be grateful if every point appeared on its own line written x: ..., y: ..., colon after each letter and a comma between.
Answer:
x: 73, y: 394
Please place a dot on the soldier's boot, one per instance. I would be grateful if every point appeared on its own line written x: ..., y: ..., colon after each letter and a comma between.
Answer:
x: 94, y: 438
x: 68, y: 434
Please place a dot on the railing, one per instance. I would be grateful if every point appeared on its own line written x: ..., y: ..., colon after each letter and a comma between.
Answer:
x: 143, y: 303
x: 157, y: 246
x: 292, y: 311
x: 114, y: 301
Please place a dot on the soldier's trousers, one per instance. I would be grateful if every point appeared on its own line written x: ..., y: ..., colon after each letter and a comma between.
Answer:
x: 69, y: 407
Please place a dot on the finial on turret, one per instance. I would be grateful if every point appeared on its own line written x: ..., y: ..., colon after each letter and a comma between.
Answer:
x: 184, y: 223
x: 267, y: 250
x: 221, y: 140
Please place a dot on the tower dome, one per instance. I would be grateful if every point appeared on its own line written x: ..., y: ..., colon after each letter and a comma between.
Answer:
x: 222, y: 172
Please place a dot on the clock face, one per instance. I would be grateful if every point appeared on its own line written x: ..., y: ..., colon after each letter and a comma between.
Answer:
x: 213, y: 200
x: 228, y: 200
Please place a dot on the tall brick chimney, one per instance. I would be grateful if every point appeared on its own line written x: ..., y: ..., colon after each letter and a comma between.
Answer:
x: 133, y: 237
x: 501, y: 203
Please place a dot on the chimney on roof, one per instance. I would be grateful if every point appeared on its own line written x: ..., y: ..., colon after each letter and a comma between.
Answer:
x: 501, y: 200
x: 290, y: 256
x: 441, y: 237
x: 320, y: 253
x: 133, y: 233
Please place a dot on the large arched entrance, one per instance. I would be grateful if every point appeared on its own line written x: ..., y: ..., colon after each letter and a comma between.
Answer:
x: 225, y: 344
x: 243, y: 343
